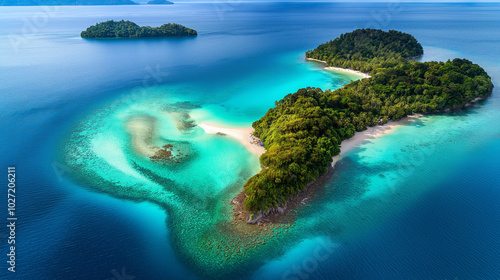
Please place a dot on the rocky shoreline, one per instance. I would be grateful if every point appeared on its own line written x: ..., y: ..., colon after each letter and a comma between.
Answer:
x: 280, y: 213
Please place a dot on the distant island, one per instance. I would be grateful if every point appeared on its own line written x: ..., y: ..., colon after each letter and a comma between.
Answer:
x: 305, y: 129
x: 64, y: 2
x: 128, y: 29
x: 368, y: 49
x: 160, y: 2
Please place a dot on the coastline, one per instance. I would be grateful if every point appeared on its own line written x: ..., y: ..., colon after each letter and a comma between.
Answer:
x: 274, y: 215
x: 340, y: 69
x: 243, y: 135
x: 240, y: 134
x: 284, y: 213
x: 370, y: 133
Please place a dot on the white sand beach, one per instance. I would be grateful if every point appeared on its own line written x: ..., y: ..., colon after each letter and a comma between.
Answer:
x: 350, y: 71
x: 240, y: 134
x: 371, y: 132
x: 243, y: 135
x: 340, y: 69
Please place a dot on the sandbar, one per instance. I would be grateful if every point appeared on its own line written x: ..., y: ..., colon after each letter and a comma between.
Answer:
x: 241, y: 134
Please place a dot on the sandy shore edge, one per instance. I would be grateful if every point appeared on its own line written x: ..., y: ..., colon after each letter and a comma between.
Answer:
x: 348, y: 145
x: 340, y: 69
x: 240, y: 134
x: 370, y: 133
x: 243, y: 135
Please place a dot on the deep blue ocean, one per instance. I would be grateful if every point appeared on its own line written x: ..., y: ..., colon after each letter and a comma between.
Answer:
x: 422, y: 202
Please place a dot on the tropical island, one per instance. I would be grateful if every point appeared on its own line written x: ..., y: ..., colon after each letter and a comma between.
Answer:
x: 128, y: 29
x: 367, y: 49
x: 300, y: 135
x: 305, y: 129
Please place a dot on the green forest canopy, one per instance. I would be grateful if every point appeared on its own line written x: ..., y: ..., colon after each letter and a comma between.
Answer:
x: 368, y: 49
x: 128, y: 29
x: 304, y: 131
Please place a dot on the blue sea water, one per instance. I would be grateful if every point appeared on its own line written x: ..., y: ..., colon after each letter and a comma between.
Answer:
x: 419, y: 203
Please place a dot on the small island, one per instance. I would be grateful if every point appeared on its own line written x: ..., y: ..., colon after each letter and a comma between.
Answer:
x: 128, y: 29
x: 305, y: 129
x: 160, y: 2
x: 367, y: 49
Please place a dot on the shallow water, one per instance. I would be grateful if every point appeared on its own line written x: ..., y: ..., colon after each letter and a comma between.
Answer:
x: 418, y: 203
